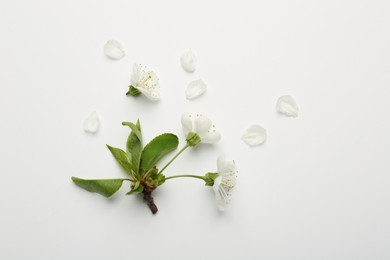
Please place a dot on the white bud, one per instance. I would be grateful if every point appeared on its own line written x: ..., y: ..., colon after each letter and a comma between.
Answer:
x: 91, y: 123
x: 195, y: 89
x: 188, y: 61
x: 254, y: 135
x: 114, y: 50
x: 286, y: 105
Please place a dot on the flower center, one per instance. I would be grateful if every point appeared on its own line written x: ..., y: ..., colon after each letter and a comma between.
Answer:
x: 148, y: 81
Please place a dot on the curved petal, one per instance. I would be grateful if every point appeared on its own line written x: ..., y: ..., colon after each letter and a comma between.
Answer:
x: 151, y: 94
x: 186, y: 122
x: 188, y: 61
x: 114, y: 50
x: 223, y: 165
x: 91, y: 123
x: 136, y: 75
x: 286, y: 105
x: 220, y: 200
x: 254, y: 135
x: 195, y: 89
x: 202, y: 125
x: 211, y: 137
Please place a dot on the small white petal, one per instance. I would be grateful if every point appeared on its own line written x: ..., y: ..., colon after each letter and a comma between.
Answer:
x: 135, y: 75
x: 202, y: 125
x: 91, y: 123
x: 150, y: 94
x: 286, y: 105
x: 224, y: 165
x: 186, y: 122
x: 210, y: 138
x: 195, y: 89
x: 114, y: 50
x: 254, y: 135
x: 188, y: 61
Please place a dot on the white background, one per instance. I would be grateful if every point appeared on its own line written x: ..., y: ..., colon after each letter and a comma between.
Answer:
x: 317, y: 189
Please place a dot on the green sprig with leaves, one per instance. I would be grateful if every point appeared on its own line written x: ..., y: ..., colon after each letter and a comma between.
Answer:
x: 140, y: 164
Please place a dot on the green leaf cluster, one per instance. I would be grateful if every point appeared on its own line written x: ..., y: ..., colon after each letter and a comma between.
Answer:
x: 138, y: 162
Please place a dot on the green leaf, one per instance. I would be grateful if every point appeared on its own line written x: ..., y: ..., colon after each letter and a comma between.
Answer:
x: 134, y: 145
x: 133, y: 91
x: 122, y: 158
x: 157, y: 149
x: 105, y: 187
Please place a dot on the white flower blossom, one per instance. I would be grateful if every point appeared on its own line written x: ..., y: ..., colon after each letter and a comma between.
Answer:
x: 195, y: 89
x: 114, y: 50
x: 286, y: 105
x: 145, y: 81
x: 225, y: 181
x: 91, y: 123
x: 254, y: 135
x: 188, y: 61
x: 201, y: 126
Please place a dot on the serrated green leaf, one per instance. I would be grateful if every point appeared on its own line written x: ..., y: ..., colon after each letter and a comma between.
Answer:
x: 122, y: 158
x: 134, y: 145
x: 157, y: 149
x: 105, y: 187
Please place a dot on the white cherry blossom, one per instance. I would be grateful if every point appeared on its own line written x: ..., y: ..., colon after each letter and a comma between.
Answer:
x: 201, y: 126
x: 225, y: 181
x: 145, y: 81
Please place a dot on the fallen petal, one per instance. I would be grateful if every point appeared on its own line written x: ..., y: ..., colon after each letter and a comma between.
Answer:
x: 254, y: 135
x: 195, y: 89
x: 286, y: 105
x: 91, y: 123
x: 188, y: 61
x: 114, y: 50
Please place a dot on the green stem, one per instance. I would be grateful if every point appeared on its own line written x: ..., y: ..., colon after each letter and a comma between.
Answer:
x: 185, y: 175
x: 174, y: 157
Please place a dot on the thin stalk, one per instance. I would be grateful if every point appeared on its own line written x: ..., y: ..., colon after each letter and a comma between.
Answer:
x: 174, y: 157
x: 185, y: 175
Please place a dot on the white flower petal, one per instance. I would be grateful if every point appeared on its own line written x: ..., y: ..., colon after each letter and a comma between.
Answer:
x: 202, y: 125
x: 186, y: 121
x: 254, y: 135
x: 135, y: 75
x: 286, y: 105
x: 221, y: 200
x: 150, y: 94
x: 225, y: 181
x: 188, y: 61
x: 225, y: 165
x: 210, y: 138
x: 195, y: 89
x: 114, y: 50
x: 91, y: 123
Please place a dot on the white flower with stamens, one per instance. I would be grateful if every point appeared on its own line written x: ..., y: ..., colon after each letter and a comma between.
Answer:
x: 199, y: 126
x: 225, y: 181
x: 145, y: 81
